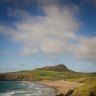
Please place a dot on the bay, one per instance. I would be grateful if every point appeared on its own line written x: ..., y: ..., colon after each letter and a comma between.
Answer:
x: 24, y: 88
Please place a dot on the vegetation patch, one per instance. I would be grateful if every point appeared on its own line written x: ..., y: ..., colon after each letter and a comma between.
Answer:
x: 88, y: 89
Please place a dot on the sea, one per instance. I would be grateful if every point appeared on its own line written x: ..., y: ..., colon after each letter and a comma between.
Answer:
x: 24, y: 88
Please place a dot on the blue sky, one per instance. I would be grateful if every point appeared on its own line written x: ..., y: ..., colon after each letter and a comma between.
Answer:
x: 37, y: 33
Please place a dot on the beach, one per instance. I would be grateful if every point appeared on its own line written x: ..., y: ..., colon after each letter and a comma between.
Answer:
x: 61, y: 86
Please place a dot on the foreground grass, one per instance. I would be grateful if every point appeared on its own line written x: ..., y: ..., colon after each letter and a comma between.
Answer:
x: 88, y: 89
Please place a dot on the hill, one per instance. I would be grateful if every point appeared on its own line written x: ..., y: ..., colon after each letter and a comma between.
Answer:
x: 60, y: 67
x: 57, y: 72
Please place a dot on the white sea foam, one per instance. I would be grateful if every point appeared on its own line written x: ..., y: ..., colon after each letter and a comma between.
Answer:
x: 29, y: 89
x: 7, y: 94
x: 4, y: 94
x: 11, y: 93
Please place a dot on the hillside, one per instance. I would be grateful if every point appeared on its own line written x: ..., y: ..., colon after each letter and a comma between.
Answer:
x: 59, y: 68
x: 57, y: 72
x: 85, y: 90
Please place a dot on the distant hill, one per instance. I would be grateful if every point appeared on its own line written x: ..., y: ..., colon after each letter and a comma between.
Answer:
x: 57, y: 72
x: 59, y: 67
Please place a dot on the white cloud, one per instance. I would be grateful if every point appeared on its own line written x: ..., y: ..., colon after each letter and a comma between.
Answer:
x: 86, y: 49
x: 50, y: 33
x: 54, y: 46
x: 28, y: 51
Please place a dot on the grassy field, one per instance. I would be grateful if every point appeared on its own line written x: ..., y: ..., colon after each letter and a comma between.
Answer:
x: 58, y: 72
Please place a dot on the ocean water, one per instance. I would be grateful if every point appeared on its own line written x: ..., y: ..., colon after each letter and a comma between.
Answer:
x: 24, y: 88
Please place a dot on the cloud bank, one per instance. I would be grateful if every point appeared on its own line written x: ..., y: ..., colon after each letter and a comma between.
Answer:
x: 53, y: 33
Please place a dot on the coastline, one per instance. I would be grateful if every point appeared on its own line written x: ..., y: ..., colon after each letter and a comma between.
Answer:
x: 25, y: 87
x: 61, y: 87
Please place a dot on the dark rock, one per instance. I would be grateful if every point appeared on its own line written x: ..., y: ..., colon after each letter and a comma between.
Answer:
x: 69, y: 93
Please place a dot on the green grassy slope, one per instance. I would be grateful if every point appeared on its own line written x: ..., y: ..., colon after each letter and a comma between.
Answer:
x: 58, y: 72
x: 88, y: 89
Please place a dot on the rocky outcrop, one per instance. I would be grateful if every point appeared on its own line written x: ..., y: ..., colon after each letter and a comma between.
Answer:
x: 69, y: 93
x: 15, y: 77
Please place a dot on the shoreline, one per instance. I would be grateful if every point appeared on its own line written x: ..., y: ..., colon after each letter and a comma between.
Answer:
x: 60, y: 87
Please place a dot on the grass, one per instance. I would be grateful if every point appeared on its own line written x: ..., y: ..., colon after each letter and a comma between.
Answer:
x: 89, y: 89
x: 57, y: 72
x: 39, y: 74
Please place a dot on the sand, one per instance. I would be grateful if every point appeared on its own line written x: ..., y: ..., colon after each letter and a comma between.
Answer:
x: 61, y: 86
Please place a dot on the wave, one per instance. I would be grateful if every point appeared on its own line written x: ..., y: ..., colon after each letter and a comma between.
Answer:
x: 27, y: 89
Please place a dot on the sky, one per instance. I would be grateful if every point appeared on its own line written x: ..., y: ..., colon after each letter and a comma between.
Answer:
x: 37, y: 33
